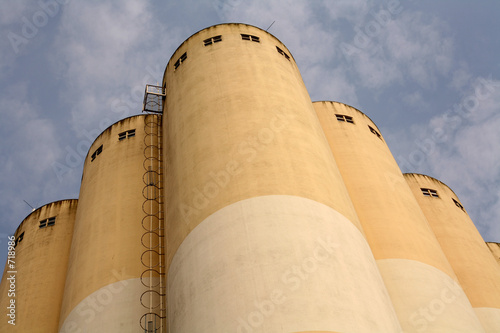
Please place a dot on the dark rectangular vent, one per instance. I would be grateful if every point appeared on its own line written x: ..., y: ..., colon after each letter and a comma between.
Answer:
x: 179, y: 61
x: 283, y: 53
x: 96, y: 152
x: 212, y: 40
x: 342, y: 117
x: 250, y: 38
x: 429, y: 192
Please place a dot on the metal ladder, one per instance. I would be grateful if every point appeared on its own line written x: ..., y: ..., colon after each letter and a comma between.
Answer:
x: 153, y: 299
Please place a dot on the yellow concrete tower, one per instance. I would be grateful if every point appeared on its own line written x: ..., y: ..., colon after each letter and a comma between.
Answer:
x: 466, y: 250
x: 113, y: 247
x: 32, y: 289
x: 262, y: 235
x: 412, y: 264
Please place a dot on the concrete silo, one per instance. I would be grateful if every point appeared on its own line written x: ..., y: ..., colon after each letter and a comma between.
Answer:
x: 262, y: 235
x: 413, y: 266
x: 238, y: 205
x: 115, y: 261
x: 33, y: 281
x: 468, y: 254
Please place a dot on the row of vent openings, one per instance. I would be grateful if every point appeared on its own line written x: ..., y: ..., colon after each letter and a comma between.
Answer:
x: 425, y: 191
x: 97, y: 152
x: 19, y: 239
x: 181, y: 59
x: 348, y: 119
x: 218, y: 38
x: 433, y: 194
x: 121, y: 136
x: 47, y: 222
x: 126, y: 134
x: 212, y: 40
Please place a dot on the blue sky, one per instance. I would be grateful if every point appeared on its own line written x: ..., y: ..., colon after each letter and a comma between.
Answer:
x: 426, y: 72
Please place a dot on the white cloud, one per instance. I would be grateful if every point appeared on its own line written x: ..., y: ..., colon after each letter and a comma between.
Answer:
x: 405, y: 45
x: 354, y: 11
x: 10, y: 23
x: 421, y: 45
x: 30, y: 146
x: 416, y: 99
x: 119, y: 41
x: 460, y: 77
x: 40, y: 146
x: 469, y: 159
x: 330, y: 85
x: 13, y: 11
x: 375, y: 71
x: 460, y: 147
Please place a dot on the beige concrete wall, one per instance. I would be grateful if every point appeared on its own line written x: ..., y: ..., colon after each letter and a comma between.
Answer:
x: 395, y: 226
x: 466, y: 250
x: 107, y: 244
x: 41, y: 260
x: 495, y: 250
x: 239, y: 124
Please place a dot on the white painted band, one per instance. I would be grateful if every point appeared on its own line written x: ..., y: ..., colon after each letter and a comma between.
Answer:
x: 277, y: 264
x: 426, y: 299
x: 490, y: 319
x: 114, y: 308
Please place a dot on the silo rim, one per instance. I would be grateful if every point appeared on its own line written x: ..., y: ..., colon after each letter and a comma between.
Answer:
x: 107, y: 128
x: 432, y: 178
x: 40, y: 207
x: 364, y: 114
x: 215, y: 25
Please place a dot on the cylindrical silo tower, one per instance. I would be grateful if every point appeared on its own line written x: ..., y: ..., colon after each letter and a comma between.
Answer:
x: 412, y: 264
x: 33, y: 281
x: 116, y: 244
x: 262, y: 235
x: 468, y: 254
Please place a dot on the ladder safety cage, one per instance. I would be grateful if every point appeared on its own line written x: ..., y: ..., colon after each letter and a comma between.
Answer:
x: 153, y: 297
x: 154, y: 97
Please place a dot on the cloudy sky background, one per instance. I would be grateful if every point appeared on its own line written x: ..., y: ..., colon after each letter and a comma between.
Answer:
x: 426, y: 72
